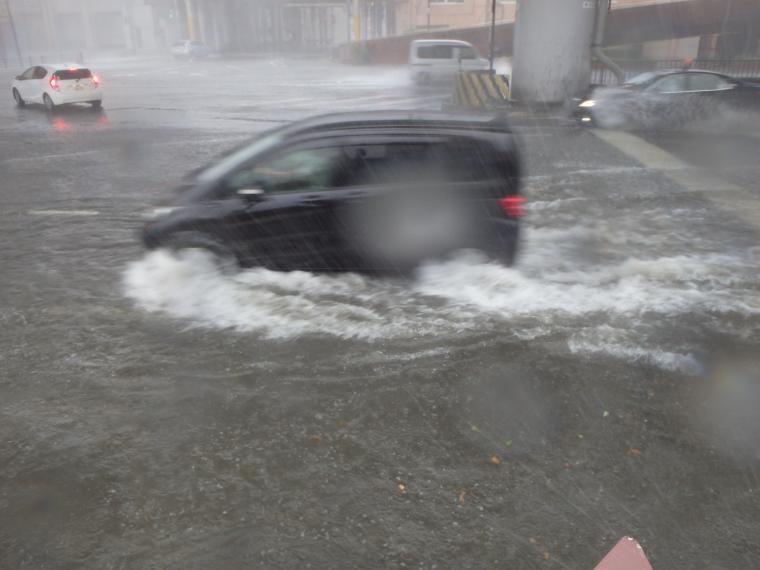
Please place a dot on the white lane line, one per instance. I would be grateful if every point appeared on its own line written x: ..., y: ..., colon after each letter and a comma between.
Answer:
x: 726, y: 195
x: 63, y: 212
x: 67, y: 155
x: 40, y: 157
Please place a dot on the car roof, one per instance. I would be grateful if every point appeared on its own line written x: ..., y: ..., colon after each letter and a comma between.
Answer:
x: 690, y: 70
x: 60, y: 66
x: 436, y: 120
x: 442, y: 42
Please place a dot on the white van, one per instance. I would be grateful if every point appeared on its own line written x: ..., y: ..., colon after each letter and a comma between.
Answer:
x: 440, y: 60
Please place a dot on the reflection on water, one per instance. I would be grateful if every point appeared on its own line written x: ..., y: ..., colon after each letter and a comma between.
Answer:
x: 63, y: 119
x: 70, y: 118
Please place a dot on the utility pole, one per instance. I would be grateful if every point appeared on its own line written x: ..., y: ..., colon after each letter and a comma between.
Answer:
x: 13, y: 31
x: 493, y: 34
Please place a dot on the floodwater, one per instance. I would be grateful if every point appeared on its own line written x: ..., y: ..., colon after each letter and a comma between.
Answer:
x: 157, y: 413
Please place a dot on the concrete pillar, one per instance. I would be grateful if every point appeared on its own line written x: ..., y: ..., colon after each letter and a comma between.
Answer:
x: 552, y: 49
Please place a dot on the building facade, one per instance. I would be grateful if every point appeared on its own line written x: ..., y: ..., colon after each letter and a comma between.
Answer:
x: 67, y: 28
x: 420, y: 15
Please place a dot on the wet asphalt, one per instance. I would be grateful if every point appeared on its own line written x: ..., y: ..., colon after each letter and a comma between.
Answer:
x: 156, y: 414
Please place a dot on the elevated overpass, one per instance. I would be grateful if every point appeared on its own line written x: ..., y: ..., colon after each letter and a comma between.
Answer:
x: 625, y: 25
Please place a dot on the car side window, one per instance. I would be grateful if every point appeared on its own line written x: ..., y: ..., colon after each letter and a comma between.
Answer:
x: 670, y: 84
x: 28, y: 74
x: 40, y: 72
x: 435, y: 51
x: 707, y: 82
x: 467, y: 53
x: 300, y: 170
x: 388, y: 163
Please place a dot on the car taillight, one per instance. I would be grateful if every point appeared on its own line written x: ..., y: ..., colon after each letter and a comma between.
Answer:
x: 95, y: 80
x: 54, y: 83
x: 513, y: 206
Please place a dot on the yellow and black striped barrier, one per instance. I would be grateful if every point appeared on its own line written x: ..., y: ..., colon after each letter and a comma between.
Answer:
x: 481, y: 90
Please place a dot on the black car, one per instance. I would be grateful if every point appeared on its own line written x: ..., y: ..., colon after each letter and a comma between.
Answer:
x: 372, y: 192
x: 667, y: 98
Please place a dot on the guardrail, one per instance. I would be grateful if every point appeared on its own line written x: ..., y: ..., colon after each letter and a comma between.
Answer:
x: 600, y: 75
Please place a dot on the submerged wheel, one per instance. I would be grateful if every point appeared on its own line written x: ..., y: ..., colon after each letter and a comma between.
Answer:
x: 49, y: 105
x: 224, y: 258
x: 17, y: 98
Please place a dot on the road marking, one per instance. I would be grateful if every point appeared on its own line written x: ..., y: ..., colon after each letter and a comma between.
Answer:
x: 67, y: 155
x: 726, y: 195
x: 39, y: 157
x: 63, y: 212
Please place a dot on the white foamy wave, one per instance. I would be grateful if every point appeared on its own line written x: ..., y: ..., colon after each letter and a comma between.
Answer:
x: 664, y: 285
x: 281, y: 305
x: 467, y: 294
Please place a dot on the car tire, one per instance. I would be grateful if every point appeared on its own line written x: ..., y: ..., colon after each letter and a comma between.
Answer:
x: 49, y: 105
x: 96, y: 104
x: 18, y: 98
x: 224, y: 258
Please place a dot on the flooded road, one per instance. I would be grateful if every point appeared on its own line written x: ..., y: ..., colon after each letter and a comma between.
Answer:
x: 158, y: 413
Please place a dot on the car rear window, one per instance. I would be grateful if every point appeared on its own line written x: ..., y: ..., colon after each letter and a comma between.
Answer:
x: 435, y: 51
x: 69, y: 74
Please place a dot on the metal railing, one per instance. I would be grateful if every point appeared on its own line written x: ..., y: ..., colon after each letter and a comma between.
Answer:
x: 600, y: 75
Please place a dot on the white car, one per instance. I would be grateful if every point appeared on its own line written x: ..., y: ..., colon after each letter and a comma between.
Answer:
x: 54, y: 85
x: 433, y: 61
x: 190, y: 49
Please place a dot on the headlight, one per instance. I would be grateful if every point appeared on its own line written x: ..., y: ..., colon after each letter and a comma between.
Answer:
x: 158, y: 212
x: 588, y: 103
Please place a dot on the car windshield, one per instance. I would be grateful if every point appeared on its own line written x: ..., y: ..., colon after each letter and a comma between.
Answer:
x: 384, y: 284
x: 237, y: 158
x: 641, y: 79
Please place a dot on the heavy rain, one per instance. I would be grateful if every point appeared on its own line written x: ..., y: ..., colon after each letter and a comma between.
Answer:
x: 373, y: 284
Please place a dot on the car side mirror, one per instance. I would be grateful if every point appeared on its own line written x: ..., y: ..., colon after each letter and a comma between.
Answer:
x: 250, y: 193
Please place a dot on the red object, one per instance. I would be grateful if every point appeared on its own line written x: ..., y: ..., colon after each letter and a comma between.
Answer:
x: 627, y: 555
x: 513, y: 206
x: 96, y: 79
x: 54, y: 83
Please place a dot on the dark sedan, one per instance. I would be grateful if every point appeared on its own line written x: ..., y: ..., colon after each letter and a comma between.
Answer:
x: 371, y: 192
x: 667, y: 99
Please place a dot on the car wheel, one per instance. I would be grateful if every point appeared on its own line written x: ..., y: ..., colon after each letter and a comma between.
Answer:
x: 224, y: 259
x: 49, y: 105
x: 17, y: 97
x: 96, y: 104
